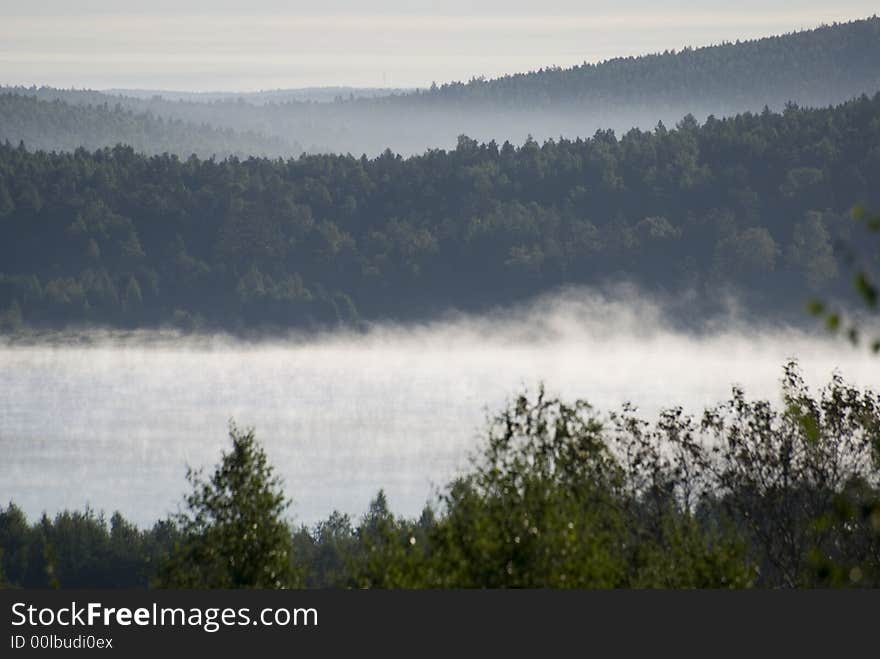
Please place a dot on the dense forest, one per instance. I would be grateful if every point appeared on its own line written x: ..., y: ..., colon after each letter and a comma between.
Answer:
x: 59, y: 126
x: 755, y: 205
x: 813, y: 67
x: 749, y: 495
x: 827, y: 65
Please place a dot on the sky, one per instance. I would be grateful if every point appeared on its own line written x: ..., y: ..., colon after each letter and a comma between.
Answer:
x: 271, y: 44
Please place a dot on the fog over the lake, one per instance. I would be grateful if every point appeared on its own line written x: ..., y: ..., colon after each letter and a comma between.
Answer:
x: 111, y: 420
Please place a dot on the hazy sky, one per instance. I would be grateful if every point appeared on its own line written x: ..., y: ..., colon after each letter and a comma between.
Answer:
x: 268, y: 44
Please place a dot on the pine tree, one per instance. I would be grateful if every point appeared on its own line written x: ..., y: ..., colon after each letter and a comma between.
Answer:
x: 234, y: 534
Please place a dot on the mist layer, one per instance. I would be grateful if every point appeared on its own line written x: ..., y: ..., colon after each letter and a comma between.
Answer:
x: 111, y: 421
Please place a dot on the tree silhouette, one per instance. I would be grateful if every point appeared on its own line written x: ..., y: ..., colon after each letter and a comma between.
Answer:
x: 234, y: 534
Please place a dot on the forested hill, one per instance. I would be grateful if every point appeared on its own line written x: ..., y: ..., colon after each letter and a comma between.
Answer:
x: 753, y: 203
x: 59, y: 126
x: 300, y: 94
x: 812, y: 67
x: 818, y: 67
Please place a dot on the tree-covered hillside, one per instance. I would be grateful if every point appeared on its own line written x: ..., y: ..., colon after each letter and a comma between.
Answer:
x: 812, y: 67
x: 59, y: 126
x: 753, y: 204
x: 828, y: 65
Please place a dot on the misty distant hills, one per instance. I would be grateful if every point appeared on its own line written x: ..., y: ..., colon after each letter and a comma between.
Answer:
x: 315, y: 94
x: 812, y: 67
x: 816, y: 68
x: 59, y: 126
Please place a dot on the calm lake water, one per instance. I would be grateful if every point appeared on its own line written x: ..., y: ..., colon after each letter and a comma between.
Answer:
x: 113, y: 422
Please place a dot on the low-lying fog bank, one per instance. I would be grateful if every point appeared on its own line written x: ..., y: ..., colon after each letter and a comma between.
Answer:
x: 111, y: 420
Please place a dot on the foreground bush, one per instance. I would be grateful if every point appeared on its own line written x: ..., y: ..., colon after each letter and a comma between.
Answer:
x: 749, y: 494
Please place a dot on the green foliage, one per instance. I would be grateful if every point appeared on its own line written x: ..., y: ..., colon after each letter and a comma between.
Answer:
x: 324, y: 554
x: 549, y: 503
x: 79, y: 550
x: 783, y: 475
x: 390, y: 552
x: 233, y: 531
x: 540, y: 508
x: 116, y: 238
x: 749, y: 495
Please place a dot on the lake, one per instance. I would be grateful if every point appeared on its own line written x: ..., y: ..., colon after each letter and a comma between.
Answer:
x: 110, y: 420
